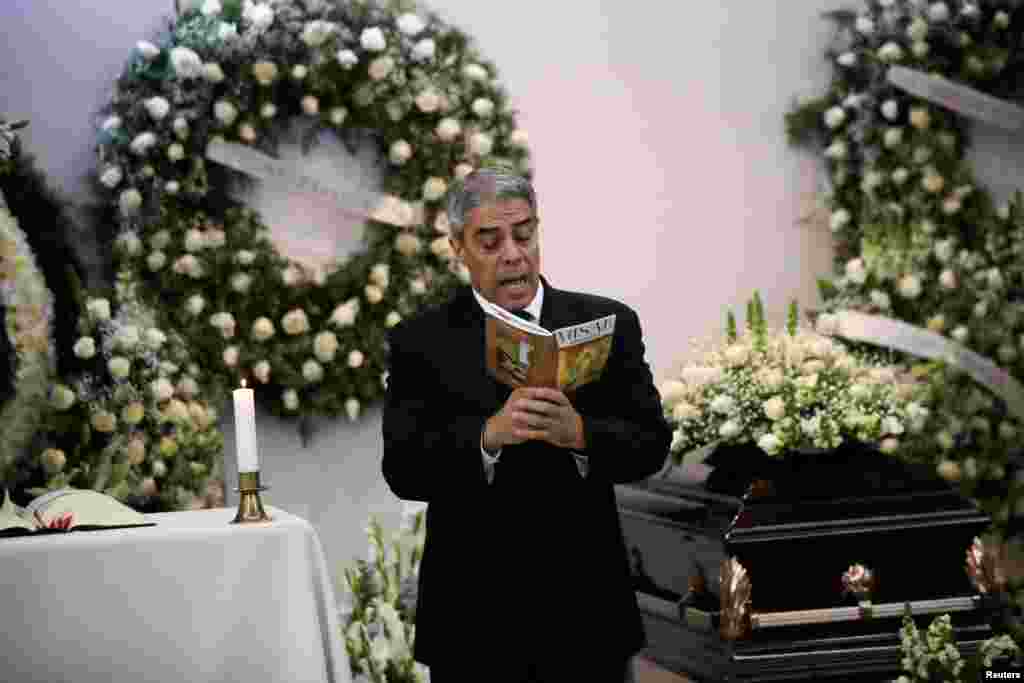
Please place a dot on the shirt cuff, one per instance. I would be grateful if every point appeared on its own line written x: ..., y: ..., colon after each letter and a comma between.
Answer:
x: 488, y: 460
x: 582, y: 464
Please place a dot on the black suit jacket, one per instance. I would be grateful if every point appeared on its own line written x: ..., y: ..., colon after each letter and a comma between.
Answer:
x: 536, y: 558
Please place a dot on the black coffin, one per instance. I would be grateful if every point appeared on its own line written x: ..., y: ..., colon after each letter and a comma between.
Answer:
x: 794, y: 527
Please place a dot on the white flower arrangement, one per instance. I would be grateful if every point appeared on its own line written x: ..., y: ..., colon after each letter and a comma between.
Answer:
x: 788, y: 390
x: 151, y: 440
x: 380, y: 604
x: 934, y: 655
x: 26, y: 314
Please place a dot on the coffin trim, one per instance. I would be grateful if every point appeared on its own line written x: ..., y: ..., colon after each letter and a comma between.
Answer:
x: 833, y: 615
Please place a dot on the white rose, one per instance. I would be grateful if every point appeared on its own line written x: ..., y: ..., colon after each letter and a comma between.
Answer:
x: 399, y: 152
x: 890, y: 52
x: 352, y: 408
x: 338, y: 115
x: 211, y: 7
x: 85, y: 347
x: 424, y: 50
x: 290, y: 399
x: 893, y: 137
x: 127, y: 337
x: 428, y: 101
x: 142, y: 143
x: 129, y: 243
x: 295, y: 322
x: 112, y: 176
x: 148, y: 50
x: 480, y: 144
x: 918, y: 29
x: 162, y: 389
x: 855, y: 271
x: 345, y: 314
x: 225, y: 112
x: 325, y: 346
x: 880, y: 299
x: 936, y: 323
x: 944, y: 250
x: 262, y: 329
x: 240, y: 282
x: 381, y: 67
x: 225, y: 322
x: 157, y: 107
x: 407, y: 244
x: 434, y: 188
x: 938, y: 12
x: 960, y: 333
x: 194, y: 240
x: 227, y: 31
x: 723, y: 404
x: 347, y: 59
x: 448, y: 129
x: 262, y: 371
x: 312, y: 371
x: 62, y: 397
x: 355, y: 358
x: 770, y: 444
x: 247, y: 133
x: 195, y: 304
x: 310, y: 105
x: 260, y: 16
x: 891, y: 109
x: 393, y: 319
x: 920, y: 49
x: 483, y: 107
x: 410, y: 24
x: 175, y: 152
x: 230, y: 356
x: 1001, y: 19
x: 839, y: 220
x: 847, y: 59
x: 380, y: 275
x: 316, y: 33
x: 518, y: 138
x: 475, y: 72
x: 441, y: 248
x: 995, y: 278
x: 909, y: 286
x: 948, y: 279
x: 186, y: 63
x: 418, y: 286
x: 372, y: 39
x: 374, y: 294
x: 900, y: 175
x: 981, y: 309
x: 155, y: 338
x: 889, y: 445
x: 730, y: 429
x: 292, y: 276
x: 212, y: 72
x: 172, y: 187
x: 99, y: 309
x: 920, y: 118
x: 835, y: 117
x: 774, y: 408
x: 837, y: 150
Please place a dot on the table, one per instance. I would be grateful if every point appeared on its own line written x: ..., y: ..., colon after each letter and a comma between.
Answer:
x: 193, y: 598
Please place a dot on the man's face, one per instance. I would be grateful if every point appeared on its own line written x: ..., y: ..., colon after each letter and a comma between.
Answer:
x: 500, y: 247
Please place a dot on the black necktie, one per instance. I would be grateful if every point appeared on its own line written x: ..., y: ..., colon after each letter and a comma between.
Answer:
x: 524, y: 315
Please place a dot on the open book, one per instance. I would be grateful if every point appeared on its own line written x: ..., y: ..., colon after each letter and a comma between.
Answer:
x: 522, y: 353
x: 67, y: 510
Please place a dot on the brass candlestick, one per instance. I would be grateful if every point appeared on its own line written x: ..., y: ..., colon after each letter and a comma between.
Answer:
x: 250, y: 507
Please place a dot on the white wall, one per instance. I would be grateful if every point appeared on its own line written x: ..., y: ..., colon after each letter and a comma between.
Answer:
x: 662, y: 169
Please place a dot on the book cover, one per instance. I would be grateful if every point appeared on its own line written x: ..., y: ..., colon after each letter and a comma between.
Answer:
x: 521, y: 353
x: 67, y: 510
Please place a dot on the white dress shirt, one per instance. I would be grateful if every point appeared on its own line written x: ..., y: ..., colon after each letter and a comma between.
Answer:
x: 582, y: 463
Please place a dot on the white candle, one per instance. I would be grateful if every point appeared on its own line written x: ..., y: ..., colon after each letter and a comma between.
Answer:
x: 245, y: 430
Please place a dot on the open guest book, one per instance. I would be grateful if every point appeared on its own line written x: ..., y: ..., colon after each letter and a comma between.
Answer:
x: 67, y: 510
x: 522, y: 353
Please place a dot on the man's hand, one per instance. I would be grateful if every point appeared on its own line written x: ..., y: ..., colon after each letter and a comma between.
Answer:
x: 535, y: 413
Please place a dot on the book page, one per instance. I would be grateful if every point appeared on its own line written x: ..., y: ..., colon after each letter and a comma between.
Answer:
x: 10, y: 519
x: 512, y: 319
x: 88, y: 509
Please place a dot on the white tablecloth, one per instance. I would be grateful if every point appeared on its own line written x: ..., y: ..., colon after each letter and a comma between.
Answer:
x: 191, y: 599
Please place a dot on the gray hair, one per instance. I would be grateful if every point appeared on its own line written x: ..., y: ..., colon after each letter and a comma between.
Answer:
x: 483, y: 186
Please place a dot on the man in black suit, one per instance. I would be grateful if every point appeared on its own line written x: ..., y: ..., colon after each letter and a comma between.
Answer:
x: 524, y: 575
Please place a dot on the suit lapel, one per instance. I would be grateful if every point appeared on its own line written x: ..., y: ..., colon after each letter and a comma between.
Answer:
x: 469, y: 352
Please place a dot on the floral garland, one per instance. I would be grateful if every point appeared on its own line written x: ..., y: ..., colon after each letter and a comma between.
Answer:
x: 917, y: 238
x: 25, y: 311
x: 312, y: 342
x: 133, y: 423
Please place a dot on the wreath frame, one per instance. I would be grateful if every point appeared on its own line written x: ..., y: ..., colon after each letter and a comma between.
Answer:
x: 312, y: 343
